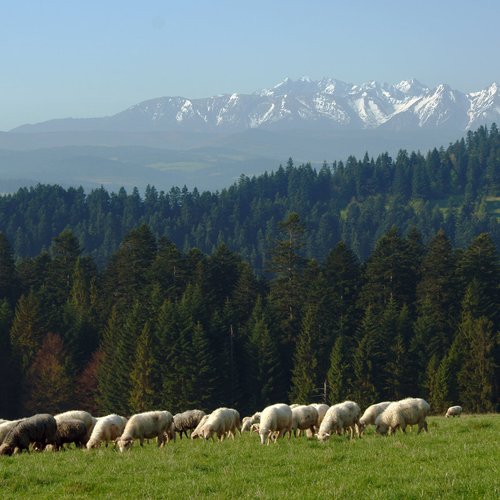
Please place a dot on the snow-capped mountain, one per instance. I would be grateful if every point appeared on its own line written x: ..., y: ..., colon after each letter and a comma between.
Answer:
x: 304, y: 103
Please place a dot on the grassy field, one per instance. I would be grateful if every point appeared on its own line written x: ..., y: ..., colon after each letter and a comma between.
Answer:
x: 458, y: 458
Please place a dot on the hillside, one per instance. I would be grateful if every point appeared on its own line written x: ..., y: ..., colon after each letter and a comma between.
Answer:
x: 354, y: 201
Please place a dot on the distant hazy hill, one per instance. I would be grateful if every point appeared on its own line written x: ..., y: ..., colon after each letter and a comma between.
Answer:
x: 210, y: 142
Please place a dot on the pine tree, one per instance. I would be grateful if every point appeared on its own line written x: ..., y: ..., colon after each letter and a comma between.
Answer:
x: 479, y: 346
x: 205, y: 377
x: 437, y: 295
x: 304, y: 376
x: 9, y: 280
x: 389, y: 273
x: 142, y: 391
x: 481, y: 263
x: 108, y: 391
x: 28, y: 329
x: 265, y: 360
x: 339, y: 372
x: 366, y: 357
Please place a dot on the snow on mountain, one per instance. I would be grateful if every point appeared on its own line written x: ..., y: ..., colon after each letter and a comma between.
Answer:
x: 305, y: 103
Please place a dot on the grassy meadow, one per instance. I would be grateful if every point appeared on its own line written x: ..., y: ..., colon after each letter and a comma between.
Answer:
x: 458, y: 458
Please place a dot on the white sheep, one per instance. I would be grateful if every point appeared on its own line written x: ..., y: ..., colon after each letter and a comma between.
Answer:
x: 106, y: 430
x: 304, y: 417
x: 370, y: 415
x: 83, y: 416
x: 221, y: 422
x: 6, y: 426
x: 275, y: 421
x: 147, y: 425
x: 339, y: 418
x: 400, y: 414
x: 454, y: 411
x: 249, y: 421
x: 321, y: 408
x: 196, y: 433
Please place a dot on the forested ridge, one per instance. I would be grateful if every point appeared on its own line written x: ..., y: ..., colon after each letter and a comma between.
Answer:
x: 355, y: 201
x: 408, y: 304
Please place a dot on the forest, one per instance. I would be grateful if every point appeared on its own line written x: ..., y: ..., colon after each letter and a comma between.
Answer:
x: 370, y: 280
x: 356, y: 201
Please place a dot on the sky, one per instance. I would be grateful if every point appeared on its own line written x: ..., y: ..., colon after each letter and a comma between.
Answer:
x: 82, y: 58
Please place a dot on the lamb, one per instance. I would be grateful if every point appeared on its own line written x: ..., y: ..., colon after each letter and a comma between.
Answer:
x: 339, y: 418
x: 371, y: 414
x: 39, y: 428
x: 187, y: 421
x: 196, y: 433
x: 248, y: 422
x: 409, y: 411
x: 304, y: 417
x: 81, y: 415
x: 6, y: 426
x: 106, y: 430
x: 70, y: 431
x: 221, y: 422
x: 145, y: 425
x: 454, y: 411
x: 276, y: 418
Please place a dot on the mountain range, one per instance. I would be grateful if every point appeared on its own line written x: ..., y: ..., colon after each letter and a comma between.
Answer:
x: 210, y: 142
x: 302, y: 103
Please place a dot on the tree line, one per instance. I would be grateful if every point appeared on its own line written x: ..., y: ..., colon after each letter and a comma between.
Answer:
x: 158, y: 327
x: 356, y: 201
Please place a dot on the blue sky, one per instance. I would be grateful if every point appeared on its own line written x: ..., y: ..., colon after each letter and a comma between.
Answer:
x: 94, y: 58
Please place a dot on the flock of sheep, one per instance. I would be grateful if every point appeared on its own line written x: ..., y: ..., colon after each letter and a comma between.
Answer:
x: 44, y: 431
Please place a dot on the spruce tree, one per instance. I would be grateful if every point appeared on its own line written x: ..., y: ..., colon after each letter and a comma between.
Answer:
x: 28, y: 329
x: 142, y: 390
x: 339, y: 373
x: 304, y: 376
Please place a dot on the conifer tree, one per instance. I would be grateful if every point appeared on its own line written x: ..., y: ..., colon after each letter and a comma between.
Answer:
x: 479, y: 345
x: 266, y: 361
x: 304, y: 376
x: 339, y: 372
x: 9, y: 281
x: 365, y: 360
x: 205, y: 375
x: 142, y: 391
x: 108, y: 391
x: 28, y: 329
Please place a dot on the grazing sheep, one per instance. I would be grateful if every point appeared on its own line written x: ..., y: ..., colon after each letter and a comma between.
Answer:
x: 187, y: 421
x: 275, y: 418
x: 83, y: 416
x: 6, y: 426
x: 454, y: 411
x: 370, y: 415
x: 248, y: 422
x: 145, y: 425
x: 169, y: 434
x: 196, y: 433
x: 39, y: 428
x: 339, y: 418
x: 221, y: 422
x: 106, y: 430
x: 409, y: 411
x: 321, y: 408
x: 70, y: 431
x: 304, y: 417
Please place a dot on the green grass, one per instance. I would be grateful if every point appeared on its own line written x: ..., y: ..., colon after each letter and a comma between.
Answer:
x: 458, y: 458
